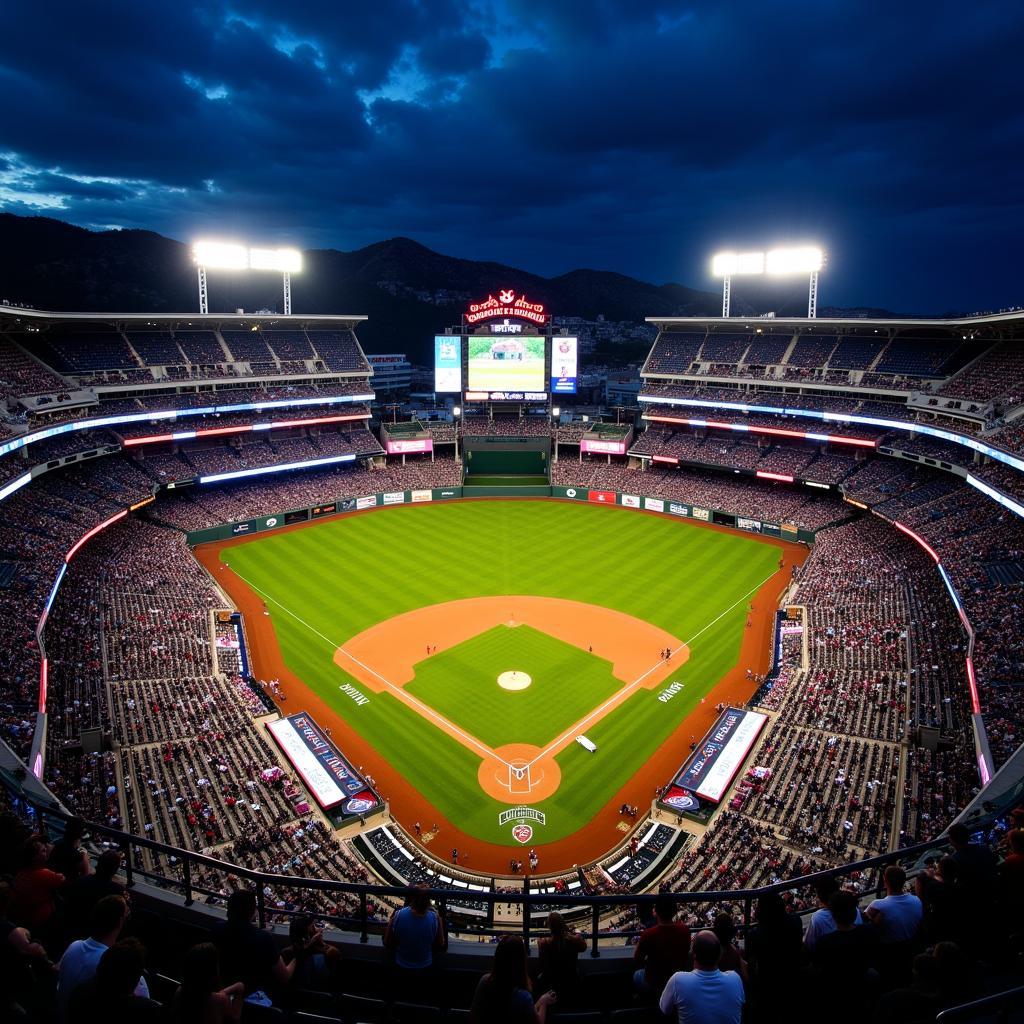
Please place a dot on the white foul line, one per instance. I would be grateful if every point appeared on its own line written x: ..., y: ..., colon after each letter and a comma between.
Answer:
x: 619, y: 694
x: 405, y: 696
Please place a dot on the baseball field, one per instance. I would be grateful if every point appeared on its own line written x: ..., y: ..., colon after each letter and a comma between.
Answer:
x: 459, y: 649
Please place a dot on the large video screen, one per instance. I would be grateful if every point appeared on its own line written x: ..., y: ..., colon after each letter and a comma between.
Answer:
x: 506, y: 363
x: 563, y: 366
x: 447, y: 363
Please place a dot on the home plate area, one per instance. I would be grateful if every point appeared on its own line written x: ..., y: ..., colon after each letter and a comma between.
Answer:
x: 517, y: 772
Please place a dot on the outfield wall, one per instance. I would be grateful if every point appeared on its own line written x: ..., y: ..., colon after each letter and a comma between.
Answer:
x: 262, y: 524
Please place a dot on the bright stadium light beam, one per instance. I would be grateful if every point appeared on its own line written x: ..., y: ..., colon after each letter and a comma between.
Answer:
x: 804, y: 259
x: 210, y: 255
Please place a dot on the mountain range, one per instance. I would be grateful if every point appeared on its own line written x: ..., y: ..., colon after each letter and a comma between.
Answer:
x: 409, y: 292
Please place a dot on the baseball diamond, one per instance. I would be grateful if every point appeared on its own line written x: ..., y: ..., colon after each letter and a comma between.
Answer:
x: 419, y: 610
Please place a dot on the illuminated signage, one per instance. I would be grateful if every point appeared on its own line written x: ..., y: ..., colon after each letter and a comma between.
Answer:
x: 139, y: 504
x: 506, y: 304
x: 604, y: 447
x: 403, y: 447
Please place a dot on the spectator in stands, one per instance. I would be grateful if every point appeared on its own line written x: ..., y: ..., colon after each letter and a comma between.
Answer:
x: 944, y: 900
x: 316, y: 963
x: 821, y: 922
x: 414, y: 934
x: 731, y: 960
x: 34, y: 885
x: 200, y: 999
x: 503, y: 995
x: 84, y: 893
x: 898, y: 917
x: 82, y: 957
x: 773, y: 952
x: 1011, y: 878
x: 112, y: 995
x: 844, y: 959
x: 247, y: 953
x: 67, y: 855
x: 662, y: 949
x: 705, y: 995
x: 975, y: 862
x: 558, y: 953
x: 25, y: 966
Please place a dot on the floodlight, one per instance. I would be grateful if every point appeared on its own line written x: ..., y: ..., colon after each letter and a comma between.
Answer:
x: 457, y: 411
x: 286, y: 261
x: 726, y: 264
x: 804, y: 260
x: 220, y: 255
x: 556, y: 411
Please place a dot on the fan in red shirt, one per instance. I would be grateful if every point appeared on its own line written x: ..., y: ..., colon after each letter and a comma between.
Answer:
x: 662, y: 950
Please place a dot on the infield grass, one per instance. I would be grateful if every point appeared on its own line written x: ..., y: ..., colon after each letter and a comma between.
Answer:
x: 329, y: 582
x: 462, y: 683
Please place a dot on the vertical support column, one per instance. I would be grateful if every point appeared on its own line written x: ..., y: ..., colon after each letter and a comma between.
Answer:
x: 812, y: 296
x: 287, y: 293
x: 725, y: 295
x: 203, y: 303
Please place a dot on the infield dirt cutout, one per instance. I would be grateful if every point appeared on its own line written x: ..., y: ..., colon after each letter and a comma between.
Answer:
x: 383, y: 658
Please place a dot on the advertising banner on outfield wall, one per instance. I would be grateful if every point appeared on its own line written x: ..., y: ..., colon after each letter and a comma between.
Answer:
x: 713, y: 765
x: 602, y: 497
x: 367, y: 501
x: 579, y: 494
x: 654, y: 504
x: 772, y: 529
x: 448, y: 492
x: 631, y: 500
x: 678, y: 510
x: 418, y: 496
x: 328, y: 775
x: 394, y: 498
x: 702, y: 514
x: 749, y: 524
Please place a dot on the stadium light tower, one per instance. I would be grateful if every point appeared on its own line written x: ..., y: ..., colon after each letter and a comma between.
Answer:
x: 230, y: 256
x: 807, y: 259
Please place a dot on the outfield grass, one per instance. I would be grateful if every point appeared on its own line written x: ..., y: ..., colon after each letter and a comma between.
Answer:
x: 346, y: 574
x: 462, y: 684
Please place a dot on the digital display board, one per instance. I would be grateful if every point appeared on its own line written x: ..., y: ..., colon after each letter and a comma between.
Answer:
x: 500, y: 363
x: 603, y: 447
x: 447, y: 363
x: 425, y: 444
x: 563, y: 366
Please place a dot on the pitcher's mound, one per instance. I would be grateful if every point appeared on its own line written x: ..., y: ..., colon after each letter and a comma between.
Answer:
x: 514, y: 680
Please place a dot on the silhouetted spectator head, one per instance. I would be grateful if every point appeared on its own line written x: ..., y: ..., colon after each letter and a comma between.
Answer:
x: 418, y: 898
x: 843, y: 907
x: 895, y: 879
x: 108, y: 864
x: 959, y: 835
x: 771, y: 909
x: 241, y: 906
x: 927, y: 973
x: 724, y: 928
x: 121, y: 967
x: 824, y: 888
x: 74, y: 829
x: 200, y: 975
x: 556, y: 925
x: 707, y: 951
x: 665, y: 908
x: 509, y: 970
x: 108, y: 917
x: 1017, y: 840
x: 34, y: 852
x: 949, y: 869
x: 300, y: 928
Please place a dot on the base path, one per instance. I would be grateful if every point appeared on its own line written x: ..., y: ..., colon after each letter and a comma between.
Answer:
x: 598, y: 836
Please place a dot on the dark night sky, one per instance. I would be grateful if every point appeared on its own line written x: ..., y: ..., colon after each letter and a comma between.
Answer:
x: 636, y: 136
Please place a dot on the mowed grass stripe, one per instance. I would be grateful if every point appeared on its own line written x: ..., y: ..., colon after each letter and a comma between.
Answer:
x: 347, y: 574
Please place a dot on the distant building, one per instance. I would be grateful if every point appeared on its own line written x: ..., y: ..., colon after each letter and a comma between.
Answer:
x: 391, y: 373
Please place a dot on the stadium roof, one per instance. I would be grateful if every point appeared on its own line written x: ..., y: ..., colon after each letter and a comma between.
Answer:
x: 1013, y: 318
x: 30, y: 317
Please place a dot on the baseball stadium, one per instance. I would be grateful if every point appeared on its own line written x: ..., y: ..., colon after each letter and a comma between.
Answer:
x: 753, y: 644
